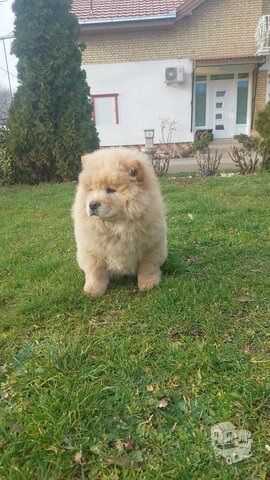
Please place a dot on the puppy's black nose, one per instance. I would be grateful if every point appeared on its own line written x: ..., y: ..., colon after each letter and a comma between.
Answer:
x: 94, y: 206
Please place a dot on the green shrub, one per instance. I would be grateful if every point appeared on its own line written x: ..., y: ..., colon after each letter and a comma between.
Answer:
x: 50, y: 117
x: 250, y: 143
x: 263, y: 128
x: 201, y: 143
x: 7, y: 170
x: 241, y: 137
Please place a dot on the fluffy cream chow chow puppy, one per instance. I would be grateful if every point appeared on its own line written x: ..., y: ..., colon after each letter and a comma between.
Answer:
x: 119, y: 219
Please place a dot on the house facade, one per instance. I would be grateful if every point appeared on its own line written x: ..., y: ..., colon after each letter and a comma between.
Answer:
x: 202, y: 63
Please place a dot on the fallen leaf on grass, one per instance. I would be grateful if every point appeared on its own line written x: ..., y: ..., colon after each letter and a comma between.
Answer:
x: 79, y: 457
x: 129, y: 445
x: 119, y: 446
x: 245, y: 298
x: 190, y: 216
x: 267, y: 448
x: 150, y: 388
x: 192, y: 259
x: 163, y: 403
x: 124, y: 462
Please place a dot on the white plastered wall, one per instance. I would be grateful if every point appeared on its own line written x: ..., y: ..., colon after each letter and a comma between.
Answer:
x: 143, y: 99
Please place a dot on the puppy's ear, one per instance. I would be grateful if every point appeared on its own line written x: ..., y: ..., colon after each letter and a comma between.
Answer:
x: 134, y: 169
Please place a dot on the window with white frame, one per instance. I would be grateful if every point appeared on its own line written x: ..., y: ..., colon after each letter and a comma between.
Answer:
x: 200, y: 100
x: 105, y: 109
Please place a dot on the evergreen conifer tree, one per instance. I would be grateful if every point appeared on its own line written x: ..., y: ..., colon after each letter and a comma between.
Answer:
x: 263, y: 128
x: 50, y: 117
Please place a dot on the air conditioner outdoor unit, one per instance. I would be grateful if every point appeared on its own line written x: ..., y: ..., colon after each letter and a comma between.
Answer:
x: 174, y: 75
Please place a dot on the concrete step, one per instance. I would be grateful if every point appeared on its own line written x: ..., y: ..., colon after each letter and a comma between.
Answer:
x: 225, y: 141
x: 224, y: 145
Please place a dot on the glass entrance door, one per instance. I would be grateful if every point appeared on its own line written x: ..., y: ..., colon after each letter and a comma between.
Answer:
x: 222, y: 108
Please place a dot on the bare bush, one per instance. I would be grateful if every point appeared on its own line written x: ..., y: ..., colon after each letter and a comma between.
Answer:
x: 5, y: 100
x: 208, y: 163
x: 161, y: 160
x: 246, y: 161
x: 161, y: 163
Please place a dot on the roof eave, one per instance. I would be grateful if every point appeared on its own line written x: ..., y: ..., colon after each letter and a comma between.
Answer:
x: 168, y: 19
x: 168, y: 16
x: 187, y: 8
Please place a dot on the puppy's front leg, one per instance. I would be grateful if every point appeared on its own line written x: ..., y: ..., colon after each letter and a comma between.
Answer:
x: 148, y: 275
x: 149, y: 268
x: 96, y: 274
x: 96, y: 281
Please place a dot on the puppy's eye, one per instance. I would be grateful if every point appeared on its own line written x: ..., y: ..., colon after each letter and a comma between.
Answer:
x: 110, y: 190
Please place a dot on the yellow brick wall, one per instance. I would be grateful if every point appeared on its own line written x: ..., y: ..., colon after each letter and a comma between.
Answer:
x: 260, y: 92
x: 216, y: 28
x: 266, y: 7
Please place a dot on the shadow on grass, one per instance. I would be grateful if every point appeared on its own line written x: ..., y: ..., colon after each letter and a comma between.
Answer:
x: 175, y: 264
x: 129, y: 282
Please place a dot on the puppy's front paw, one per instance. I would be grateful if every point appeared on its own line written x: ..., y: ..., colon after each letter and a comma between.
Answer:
x: 148, y: 283
x: 94, y: 289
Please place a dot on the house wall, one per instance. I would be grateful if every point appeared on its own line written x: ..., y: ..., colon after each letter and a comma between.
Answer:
x: 117, y: 60
x: 263, y: 87
x: 215, y: 29
x: 267, y: 68
x: 265, y: 7
x: 261, y: 92
x: 143, y: 100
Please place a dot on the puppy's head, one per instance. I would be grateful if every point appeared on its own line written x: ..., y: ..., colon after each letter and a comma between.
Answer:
x: 114, y: 184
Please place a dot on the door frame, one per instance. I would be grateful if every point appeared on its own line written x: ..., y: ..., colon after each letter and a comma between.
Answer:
x: 209, y: 120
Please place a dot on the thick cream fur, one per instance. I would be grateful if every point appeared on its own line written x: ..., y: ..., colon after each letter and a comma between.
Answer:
x: 127, y: 235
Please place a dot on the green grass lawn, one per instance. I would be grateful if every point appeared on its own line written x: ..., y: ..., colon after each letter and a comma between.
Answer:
x: 82, y: 379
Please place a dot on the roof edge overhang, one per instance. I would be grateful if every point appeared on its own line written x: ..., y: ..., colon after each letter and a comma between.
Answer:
x: 102, y: 21
x: 187, y: 9
x: 229, y: 61
x: 90, y: 29
x: 143, y: 21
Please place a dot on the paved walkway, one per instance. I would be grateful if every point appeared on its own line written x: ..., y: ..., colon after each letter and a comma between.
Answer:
x: 178, y: 165
x: 223, y: 146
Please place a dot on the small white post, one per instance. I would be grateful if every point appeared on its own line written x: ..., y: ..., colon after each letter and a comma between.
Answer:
x: 149, y: 148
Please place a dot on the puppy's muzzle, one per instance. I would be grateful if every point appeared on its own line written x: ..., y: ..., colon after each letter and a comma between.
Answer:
x: 93, y: 207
